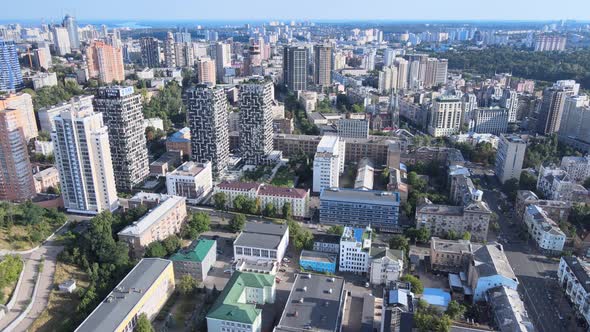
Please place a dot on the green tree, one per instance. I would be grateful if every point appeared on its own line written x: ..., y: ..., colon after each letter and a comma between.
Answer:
x: 155, y: 249
x: 510, y: 187
x: 270, y: 210
x: 187, y: 285
x: 236, y: 224
x: 240, y: 202
x: 171, y: 244
x: 467, y: 236
x: 417, y: 286
x: 287, y: 210
x: 455, y: 310
x: 220, y: 200
x: 198, y: 223
x: 527, y: 181
x: 336, y: 229
x: 399, y: 242
x: 303, y: 240
x: 143, y: 324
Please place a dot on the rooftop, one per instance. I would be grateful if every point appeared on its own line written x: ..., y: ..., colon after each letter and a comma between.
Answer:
x: 153, y: 216
x: 454, y: 246
x: 371, y: 197
x: 355, y: 234
x: 509, y: 310
x: 261, y: 235
x: 190, y: 168
x: 238, y: 185
x: 282, y: 191
x: 329, y: 144
x: 327, y: 238
x: 112, y: 311
x: 315, y: 303
x: 380, y: 252
x: 181, y: 136
x: 581, y: 270
x: 196, y: 252
x: 229, y: 306
x: 490, y: 260
x: 317, y: 256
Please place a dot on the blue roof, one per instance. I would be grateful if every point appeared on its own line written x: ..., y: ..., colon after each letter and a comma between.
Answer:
x: 403, y: 167
x: 436, y: 296
x: 358, y: 234
x: 398, y: 296
x: 178, y: 136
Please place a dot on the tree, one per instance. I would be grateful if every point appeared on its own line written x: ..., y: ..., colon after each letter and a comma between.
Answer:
x: 510, y: 187
x: 287, y: 210
x: 399, y: 242
x: 455, y: 309
x: 155, y: 249
x: 220, y: 200
x: 236, y: 224
x: 303, y: 239
x: 143, y: 324
x: 527, y: 181
x: 467, y: 236
x: 336, y: 230
x: 417, y: 286
x: 270, y: 210
x: 171, y: 244
x: 187, y: 284
x: 199, y: 222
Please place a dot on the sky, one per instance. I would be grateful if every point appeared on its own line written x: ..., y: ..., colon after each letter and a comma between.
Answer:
x: 254, y: 10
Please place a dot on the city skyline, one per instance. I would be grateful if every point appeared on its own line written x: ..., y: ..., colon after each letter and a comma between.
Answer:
x: 429, y: 10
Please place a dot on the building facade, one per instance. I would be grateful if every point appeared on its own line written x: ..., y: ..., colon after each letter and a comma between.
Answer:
x: 492, y: 120
x: 196, y: 260
x: 573, y: 276
x: 322, y: 74
x: 25, y: 113
x: 488, y: 269
x: 509, y: 157
x: 105, y: 62
x: 546, y: 233
x: 150, y: 52
x: 574, y: 129
x: 328, y: 163
x: 262, y: 242
x: 386, y: 265
x: 255, y: 102
x: 353, y: 128
x: 318, y: 261
x: 355, y: 246
x: 295, y: 67
x: 122, y: 111
x: 208, y: 117
x: 445, y: 116
x: 83, y: 158
x: 191, y: 180
x: 451, y: 256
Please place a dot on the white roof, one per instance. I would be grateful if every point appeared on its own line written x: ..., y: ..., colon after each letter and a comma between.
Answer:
x: 328, y: 143
x: 151, y: 217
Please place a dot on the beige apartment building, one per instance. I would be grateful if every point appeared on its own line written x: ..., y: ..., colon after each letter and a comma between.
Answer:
x: 105, y: 62
x: 25, y: 115
x: 47, y: 178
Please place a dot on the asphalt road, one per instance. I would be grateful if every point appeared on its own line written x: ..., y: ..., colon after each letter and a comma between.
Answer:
x: 537, y: 274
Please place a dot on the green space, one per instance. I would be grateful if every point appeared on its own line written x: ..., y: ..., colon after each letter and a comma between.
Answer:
x: 10, y: 269
x: 284, y: 177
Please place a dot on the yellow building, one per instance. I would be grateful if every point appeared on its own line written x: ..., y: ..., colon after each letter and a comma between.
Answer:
x: 144, y: 290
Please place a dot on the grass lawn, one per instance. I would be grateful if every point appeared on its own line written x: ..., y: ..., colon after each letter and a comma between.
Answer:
x: 284, y: 177
x: 16, y: 238
x: 56, y: 317
x: 6, y: 291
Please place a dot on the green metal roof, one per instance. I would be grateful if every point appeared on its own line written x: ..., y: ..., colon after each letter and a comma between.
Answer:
x: 227, y: 306
x: 195, y: 253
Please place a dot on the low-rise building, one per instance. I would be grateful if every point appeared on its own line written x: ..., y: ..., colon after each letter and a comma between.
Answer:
x: 463, y: 191
x: 196, y: 260
x: 488, y: 269
x: 556, y: 210
x: 555, y: 183
x: 167, y: 161
x: 329, y: 243
x: 451, y: 256
x: 41, y: 80
x: 191, y: 180
x: 573, y: 276
x: 159, y: 223
x: 364, y: 175
x: 386, y: 265
x: 508, y: 310
x: 578, y: 168
x: 236, y: 308
x: 144, y: 290
x: 318, y: 261
x: 262, y: 242
x: 180, y: 141
x: 355, y: 246
x: 47, y: 178
x: 443, y: 220
x: 265, y: 194
x: 360, y: 208
x: 316, y: 303
x: 546, y: 233
x: 44, y: 147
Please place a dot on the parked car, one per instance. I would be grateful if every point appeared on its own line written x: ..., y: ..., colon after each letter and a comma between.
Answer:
x: 282, y: 270
x: 286, y: 260
x: 228, y: 271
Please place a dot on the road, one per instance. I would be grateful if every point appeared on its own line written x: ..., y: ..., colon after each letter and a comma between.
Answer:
x: 537, y: 274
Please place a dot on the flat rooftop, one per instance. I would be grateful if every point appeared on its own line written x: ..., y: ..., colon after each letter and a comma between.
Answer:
x: 113, y: 310
x: 153, y: 216
x: 329, y: 144
x: 371, y: 197
x: 315, y: 303
x: 317, y: 256
x: 454, y: 246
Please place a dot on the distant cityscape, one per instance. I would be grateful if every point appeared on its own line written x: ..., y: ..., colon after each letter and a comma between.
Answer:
x: 294, y: 176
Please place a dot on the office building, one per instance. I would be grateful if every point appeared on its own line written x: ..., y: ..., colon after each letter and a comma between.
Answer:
x: 509, y: 157
x: 445, y: 116
x: 11, y: 78
x: 573, y: 276
x: 208, y: 119
x: 236, y: 308
x: 543, y: 230
x: 191, y: 180
x: 546, y: 42
x: 440, y: 76
x: 150, y: 52
x: 169, y: 51
x: 318, y: 261
x: 552, y: 105
x: 162, y: 221
x: 489, y: 120
x: 41, y: 80
x: 355, y: 246
x: 451, y: 256
x: 328, y: 163
x: 105, y: 62
x: 295, y: 67
x: 262, y: 241
x: 83, y: 158
x: 386, y: 265
x: 196, y: 260
x: 574, y: 128
x: 353, y: 128
x: 71, y: 25
x: 206, y: 71
x: 255, y: 103
x: 322, y: 74
x: 442, y: 220
x: 490, y: 268
x: 144, y: 290
x: 316, y: 303
x: 25, y: 114
x: 16, y: 177
x: 61, y: 41
x: 359, y: 207
x: 122, y: 112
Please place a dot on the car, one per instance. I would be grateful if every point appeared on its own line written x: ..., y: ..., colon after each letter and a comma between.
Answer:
x: 282, y: 270
x: 286, y: 260
x: 228, y: 271
x: 219, y: 251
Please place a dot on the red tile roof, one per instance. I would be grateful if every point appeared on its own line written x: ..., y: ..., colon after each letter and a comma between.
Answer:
x: 236, y: 185
x: 282, y: 191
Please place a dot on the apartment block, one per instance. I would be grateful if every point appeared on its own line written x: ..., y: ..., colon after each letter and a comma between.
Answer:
x: 509, y: 157
x: 328, y: 163
x: 45, y: 179
x: 451, y: 256
x: 256, y: 134
x: 490, y: 268
x: 105, y: 62
x: 546, y: 233
x: 573, y: 276
x: 47, y: 115
x: 24, y: 115
x: 386, y: 265
x: 445, y: 116
x: 353, y: 128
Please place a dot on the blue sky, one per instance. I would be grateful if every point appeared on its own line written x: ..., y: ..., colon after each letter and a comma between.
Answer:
x: 244, y: 10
